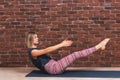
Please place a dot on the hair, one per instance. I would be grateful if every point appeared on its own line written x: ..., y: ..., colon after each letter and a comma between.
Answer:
x: 29, y: 39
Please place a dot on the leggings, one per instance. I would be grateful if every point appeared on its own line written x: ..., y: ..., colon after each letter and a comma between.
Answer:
x: 58, y: 67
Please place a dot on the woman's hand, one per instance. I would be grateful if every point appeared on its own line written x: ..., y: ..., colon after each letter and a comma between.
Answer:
x: 66, y: 43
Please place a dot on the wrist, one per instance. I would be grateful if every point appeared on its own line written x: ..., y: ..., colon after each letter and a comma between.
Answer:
x: 61, y: 45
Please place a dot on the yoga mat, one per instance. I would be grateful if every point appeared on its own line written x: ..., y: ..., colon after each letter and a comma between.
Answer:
x: 86, y: 74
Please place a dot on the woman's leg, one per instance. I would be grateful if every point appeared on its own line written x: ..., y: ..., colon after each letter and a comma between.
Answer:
x: 57, y: 67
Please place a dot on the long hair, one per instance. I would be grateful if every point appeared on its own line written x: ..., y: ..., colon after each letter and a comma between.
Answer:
x: 29, y: 39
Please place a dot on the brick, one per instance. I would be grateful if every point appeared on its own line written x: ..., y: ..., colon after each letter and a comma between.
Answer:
x: 117, y: 1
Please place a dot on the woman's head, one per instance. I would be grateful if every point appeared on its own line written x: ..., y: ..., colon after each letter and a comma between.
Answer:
x: 31, y: 39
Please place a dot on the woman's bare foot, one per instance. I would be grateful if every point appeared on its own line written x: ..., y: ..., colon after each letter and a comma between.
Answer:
x: 102, y: 44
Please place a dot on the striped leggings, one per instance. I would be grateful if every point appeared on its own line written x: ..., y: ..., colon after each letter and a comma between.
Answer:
x: 58, y: 67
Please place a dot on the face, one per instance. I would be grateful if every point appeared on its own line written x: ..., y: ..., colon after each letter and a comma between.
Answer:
x: 35, y: 39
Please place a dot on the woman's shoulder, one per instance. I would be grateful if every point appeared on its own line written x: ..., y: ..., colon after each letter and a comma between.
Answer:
x: 30, y: 49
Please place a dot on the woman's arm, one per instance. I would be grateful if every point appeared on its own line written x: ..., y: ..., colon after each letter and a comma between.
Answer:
x: 65, y: 43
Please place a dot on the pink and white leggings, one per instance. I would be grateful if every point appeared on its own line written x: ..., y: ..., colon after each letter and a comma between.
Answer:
x: 58, y: 67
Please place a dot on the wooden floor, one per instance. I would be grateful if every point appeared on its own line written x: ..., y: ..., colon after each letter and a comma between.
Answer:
x: 18, y: 73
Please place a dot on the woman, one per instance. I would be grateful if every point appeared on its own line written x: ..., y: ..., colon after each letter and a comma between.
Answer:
x: 46, y: 64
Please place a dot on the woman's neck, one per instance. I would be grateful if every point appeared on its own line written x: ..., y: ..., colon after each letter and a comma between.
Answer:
x: 34, y: 46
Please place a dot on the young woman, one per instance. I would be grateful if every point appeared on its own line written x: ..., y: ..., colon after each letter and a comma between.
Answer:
x: 46, y: 64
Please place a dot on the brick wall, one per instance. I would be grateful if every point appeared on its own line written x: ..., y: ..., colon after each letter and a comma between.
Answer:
x: 86, y: 22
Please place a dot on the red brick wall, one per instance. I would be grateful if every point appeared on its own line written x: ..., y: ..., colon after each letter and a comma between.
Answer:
x: 86, y: 22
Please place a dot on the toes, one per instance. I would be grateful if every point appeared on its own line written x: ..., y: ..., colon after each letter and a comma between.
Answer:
x: 107, y: 39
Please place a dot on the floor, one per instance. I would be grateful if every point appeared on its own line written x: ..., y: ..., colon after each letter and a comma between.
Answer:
x: 18, y: 73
